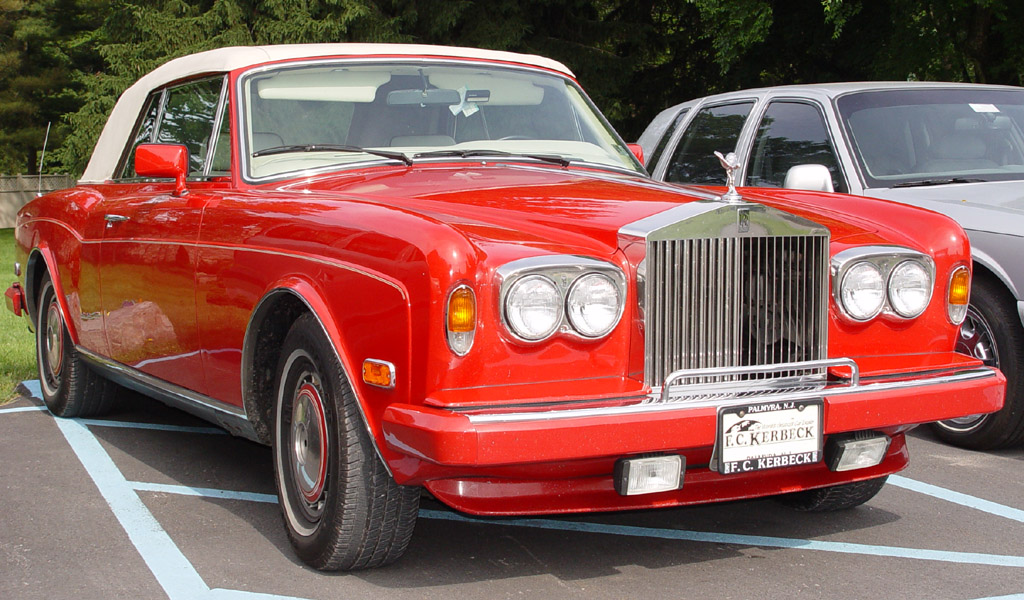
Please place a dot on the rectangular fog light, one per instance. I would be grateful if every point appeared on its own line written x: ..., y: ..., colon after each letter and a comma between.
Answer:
x: 856, y: 452
x: 648, y: 475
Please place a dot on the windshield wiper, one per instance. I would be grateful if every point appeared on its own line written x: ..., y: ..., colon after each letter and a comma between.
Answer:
x: 943, y: 181
x: 331, y: 148
x: 551, y: 158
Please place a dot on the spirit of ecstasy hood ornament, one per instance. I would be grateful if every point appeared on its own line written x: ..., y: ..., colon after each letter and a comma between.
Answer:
x: 730, y: 162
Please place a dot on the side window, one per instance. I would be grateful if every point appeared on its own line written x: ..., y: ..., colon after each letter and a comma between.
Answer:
x: 187, y: 119
x: 652, y: 160
x: 713, y: 128
x: 791, y: 133
x: 143, y: 133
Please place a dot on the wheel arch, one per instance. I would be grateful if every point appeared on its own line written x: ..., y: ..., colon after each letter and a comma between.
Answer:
x: 273, y: 316
x: 40, y: 263
x: 987, y: 266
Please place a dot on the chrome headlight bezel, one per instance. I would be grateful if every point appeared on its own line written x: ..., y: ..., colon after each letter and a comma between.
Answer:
x: 563, y: 271
x: 886, y: 259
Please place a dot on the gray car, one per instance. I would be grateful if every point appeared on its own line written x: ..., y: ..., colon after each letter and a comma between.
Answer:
x: 957, y: 149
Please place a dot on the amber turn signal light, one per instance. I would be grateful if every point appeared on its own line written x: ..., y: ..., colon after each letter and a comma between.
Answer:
x: 379, y: 373
x: 959, y: 294
x: 462, y: 311
x: 460, y: 319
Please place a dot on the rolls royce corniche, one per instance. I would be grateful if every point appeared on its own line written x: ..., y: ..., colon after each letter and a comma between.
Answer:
x: 955, y: 148
x: 415, y: 269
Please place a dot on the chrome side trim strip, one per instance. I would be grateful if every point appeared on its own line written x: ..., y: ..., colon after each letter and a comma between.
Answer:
x: 656, y: 406
x: 228, y: 416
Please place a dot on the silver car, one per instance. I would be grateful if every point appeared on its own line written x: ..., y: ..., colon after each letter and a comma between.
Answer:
x: 957, y: 149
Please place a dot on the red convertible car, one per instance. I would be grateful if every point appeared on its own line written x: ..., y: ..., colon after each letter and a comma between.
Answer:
x: 409, y: 267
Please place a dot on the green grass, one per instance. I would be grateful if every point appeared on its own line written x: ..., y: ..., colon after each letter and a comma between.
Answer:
x: 17, y: 345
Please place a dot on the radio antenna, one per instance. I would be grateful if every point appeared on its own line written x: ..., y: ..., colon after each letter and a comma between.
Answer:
x: 42, y: 157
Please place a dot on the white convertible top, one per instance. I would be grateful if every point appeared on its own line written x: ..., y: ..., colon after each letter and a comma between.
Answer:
x: 122, y: 118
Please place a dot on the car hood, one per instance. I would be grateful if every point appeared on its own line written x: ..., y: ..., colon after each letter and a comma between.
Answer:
x: 993, y: 206
x: 523, y: 203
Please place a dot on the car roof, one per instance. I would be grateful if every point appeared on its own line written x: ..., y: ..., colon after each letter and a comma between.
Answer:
x: 834, y: 90
x: 122, y: 119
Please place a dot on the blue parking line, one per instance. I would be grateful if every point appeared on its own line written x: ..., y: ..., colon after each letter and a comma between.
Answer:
x: 184, y: 490
x: 18, y: 409
x: 743, y: 540
x: 958, y: 498
x: 175, y: 574
x: 648, y: 532
x: 1010, y: 597
x: 153, y: 426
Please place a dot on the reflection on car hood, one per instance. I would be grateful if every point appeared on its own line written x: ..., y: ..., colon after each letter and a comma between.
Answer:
x: 995, y: 206
x: 572, y: 206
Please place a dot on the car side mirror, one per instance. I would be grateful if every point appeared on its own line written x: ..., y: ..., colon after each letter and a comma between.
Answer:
x: 809, y: 177
x: 163, y: 160
x: 637, y: 150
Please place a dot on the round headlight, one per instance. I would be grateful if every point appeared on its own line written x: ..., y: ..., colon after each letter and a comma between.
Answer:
x: 593, y: 305
x: 910, y: 289
x: 533, y: 307
x: 862, y: 291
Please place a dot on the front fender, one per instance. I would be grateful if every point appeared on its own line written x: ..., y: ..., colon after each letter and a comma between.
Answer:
x: 340, y: 305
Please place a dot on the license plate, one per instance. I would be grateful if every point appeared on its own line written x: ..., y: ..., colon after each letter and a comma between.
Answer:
x: 769, y: 436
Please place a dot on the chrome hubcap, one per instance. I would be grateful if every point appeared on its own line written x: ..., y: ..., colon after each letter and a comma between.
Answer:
x: 308, y: 446
x: 976, y: 339
x: 54, y: 340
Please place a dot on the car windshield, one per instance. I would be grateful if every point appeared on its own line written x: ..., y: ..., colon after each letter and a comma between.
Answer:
x: 314, y: 118
x: 904, y: 138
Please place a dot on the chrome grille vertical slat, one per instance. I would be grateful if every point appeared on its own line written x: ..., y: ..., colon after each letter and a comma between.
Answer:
x: 735, y: 301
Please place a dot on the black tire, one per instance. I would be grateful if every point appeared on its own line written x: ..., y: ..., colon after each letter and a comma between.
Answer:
x: 836, y: 497
x: 342, y: 509
x: 992, y: 332
x: 70, y: 388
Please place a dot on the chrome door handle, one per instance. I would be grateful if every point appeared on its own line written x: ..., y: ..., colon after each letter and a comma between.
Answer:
x: 112, y: 218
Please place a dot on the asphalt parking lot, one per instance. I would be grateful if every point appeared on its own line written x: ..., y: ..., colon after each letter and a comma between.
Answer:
x: 152, y: 503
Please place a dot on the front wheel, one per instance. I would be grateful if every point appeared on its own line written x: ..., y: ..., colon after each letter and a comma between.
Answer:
x: 991, y: 332
x: 341, y: 508
x: 835, y: 497
x: 70, y: 388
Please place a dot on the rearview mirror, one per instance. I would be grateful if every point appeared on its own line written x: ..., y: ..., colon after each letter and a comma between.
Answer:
x: 809, y: 177
x: 432, y: 97
x: 638, y: 151
x: 163, y: 160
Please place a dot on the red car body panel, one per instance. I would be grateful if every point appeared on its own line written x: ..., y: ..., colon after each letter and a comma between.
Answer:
x: 170, y: 285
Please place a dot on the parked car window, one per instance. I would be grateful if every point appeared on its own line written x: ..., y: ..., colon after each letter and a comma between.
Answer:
x: 652, y: 160
x: 908, y: 137
x: 143, y: 134
x: 414, y: 109
x: 187, y: 119
x: 791, y: 133
x: 713, y: 128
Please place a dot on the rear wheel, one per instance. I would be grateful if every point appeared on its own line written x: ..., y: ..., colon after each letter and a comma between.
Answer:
x: 70, y: 388
x: 341, y: 508
x: 836, y: 497
x: 991, y: 332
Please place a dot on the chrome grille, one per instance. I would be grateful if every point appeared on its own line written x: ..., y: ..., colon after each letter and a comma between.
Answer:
x: 733, y: 302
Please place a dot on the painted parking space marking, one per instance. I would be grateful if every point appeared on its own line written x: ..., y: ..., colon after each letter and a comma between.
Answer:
x: 185, y: 490
x: 173, y: 571
x: 649, y: 532
x: 958, y: 498
x: 18, y: 409
x: 153, y: 426
x: 179, y: 578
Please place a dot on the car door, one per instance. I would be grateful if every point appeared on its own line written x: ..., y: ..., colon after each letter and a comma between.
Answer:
x: 149, y: 253
x: 712, y: 128
x: 791, y: 133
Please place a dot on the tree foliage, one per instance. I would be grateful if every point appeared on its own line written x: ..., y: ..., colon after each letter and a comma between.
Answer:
x: 66, y: 61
